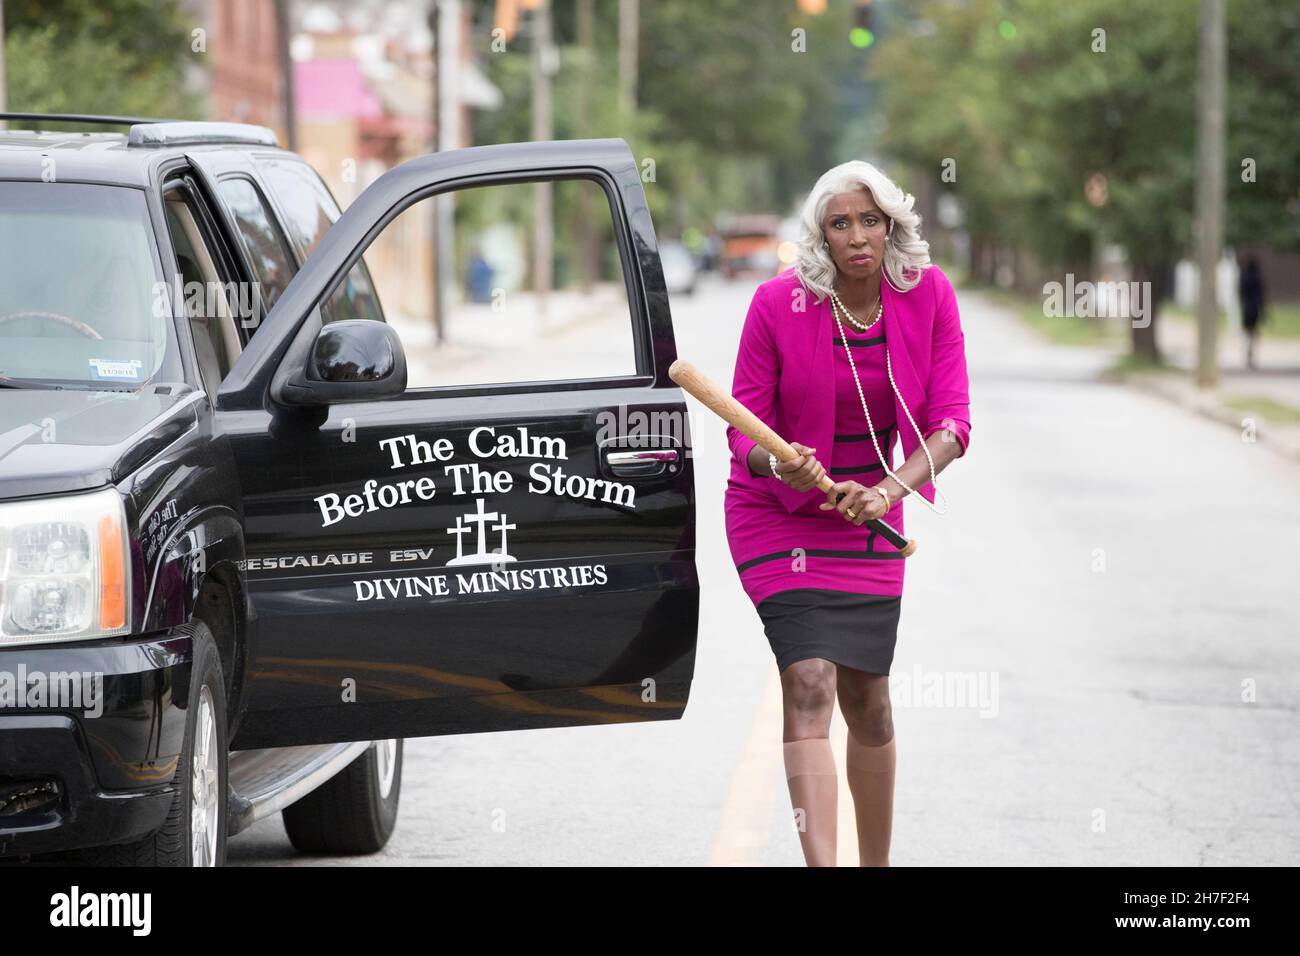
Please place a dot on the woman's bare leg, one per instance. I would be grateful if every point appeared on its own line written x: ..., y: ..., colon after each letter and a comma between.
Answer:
x: 869, y: 760
x: 808, y: 694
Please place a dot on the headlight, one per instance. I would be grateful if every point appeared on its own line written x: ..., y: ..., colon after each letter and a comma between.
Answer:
x: 64, y: 570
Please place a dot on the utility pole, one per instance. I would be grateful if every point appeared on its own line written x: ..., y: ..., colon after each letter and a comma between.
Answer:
x: 3, y: 123
x: 436, y: 299
x: 1209, y: 187
x: 628, y: 28
x: 287, y: 108
x: 544, y: 67
x: 589, y: 251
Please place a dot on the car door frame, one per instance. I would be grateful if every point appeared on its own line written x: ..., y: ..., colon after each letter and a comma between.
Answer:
x: 286, y: 335
x: 211, y: 168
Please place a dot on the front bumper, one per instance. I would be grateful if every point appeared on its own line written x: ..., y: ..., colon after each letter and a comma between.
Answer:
x: 100, y: 772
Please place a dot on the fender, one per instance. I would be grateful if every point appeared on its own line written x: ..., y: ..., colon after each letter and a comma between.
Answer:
x: 207, y: 544
x: 205, y: 541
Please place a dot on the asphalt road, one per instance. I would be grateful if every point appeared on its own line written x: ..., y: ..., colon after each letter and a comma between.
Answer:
x: 1097, y: 663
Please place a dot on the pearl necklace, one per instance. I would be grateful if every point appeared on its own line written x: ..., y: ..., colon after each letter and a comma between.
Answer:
x: 836, y: 306
x: 853, y: 319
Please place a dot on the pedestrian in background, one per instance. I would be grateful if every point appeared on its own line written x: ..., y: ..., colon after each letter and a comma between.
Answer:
x: 1250, y: 290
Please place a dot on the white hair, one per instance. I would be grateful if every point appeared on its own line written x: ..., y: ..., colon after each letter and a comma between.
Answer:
x: 906, y: 253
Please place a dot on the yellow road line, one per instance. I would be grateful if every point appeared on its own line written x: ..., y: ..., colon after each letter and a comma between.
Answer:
x: 758, y: 783
x: 747, y: 811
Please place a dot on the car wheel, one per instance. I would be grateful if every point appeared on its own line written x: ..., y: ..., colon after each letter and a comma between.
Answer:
x: 355, y: 811
x: 194, y: 833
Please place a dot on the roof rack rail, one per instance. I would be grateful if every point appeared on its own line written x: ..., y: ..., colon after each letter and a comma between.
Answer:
x: 145, y: 131
x: 183, y: 133
x: 81, y: 118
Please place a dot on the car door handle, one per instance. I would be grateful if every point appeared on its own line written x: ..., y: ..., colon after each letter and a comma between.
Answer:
x: 641, y: 462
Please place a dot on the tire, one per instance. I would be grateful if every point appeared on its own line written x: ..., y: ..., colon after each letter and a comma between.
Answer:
x: 174, y: 843
x: 351, y: 813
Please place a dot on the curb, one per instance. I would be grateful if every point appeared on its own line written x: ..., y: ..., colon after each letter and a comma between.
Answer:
x: 1206, y: 404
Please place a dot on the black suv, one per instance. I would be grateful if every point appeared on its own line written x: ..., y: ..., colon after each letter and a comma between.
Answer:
x: 243, y: 553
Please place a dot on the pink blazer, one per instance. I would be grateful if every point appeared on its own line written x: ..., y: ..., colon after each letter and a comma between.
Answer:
x: 784, y: 372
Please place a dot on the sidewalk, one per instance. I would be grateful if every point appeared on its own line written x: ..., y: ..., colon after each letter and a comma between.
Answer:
x: 1263, y: 403
x: 518, y: 341
x: 1264, y: 400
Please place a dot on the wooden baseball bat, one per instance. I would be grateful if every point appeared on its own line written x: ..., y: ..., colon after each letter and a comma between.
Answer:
x: 726, y: 407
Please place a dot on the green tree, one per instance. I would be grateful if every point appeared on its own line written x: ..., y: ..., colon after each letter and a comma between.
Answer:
x: 1263, y: 103
x: 78, y: 56
x: 732, y: 116
x: 1033, y: 101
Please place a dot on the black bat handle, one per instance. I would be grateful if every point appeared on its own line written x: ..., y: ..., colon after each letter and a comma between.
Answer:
x: 886, y: 531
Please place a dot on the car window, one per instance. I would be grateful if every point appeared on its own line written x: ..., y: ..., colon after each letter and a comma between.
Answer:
x: 203, y: 289
x: 310, y: 210
x: 263, y: 242
x: 80, y: 285
x: 531, y: 288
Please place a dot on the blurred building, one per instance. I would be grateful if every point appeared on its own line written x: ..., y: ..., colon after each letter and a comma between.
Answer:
x: 363, y: 81
x: 364, y: 97
x: 244, y: 47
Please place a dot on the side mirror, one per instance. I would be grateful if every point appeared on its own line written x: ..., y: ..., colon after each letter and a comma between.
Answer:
x: 354, y: 360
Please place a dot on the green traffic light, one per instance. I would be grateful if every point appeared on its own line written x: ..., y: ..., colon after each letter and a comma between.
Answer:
x: 1007, y: 29
x: 861, y: 37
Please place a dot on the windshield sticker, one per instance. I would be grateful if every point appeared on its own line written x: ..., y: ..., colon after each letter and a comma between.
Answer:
x: 117, y: 370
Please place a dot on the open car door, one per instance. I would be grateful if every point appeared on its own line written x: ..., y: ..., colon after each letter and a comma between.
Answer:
x: 482, y: 545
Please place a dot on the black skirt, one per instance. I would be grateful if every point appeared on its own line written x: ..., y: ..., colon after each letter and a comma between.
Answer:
x: 856, y: 630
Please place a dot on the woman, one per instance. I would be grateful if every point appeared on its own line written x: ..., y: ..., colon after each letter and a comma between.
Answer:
x: 827, y: 589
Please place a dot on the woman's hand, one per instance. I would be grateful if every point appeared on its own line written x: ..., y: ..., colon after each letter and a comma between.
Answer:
x: 865, y: 503
x: 801, y: 473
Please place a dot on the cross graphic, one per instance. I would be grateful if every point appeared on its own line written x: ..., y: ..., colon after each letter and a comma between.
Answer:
x: 503, y: 527
x: 459, y: 531
x: 480, y: 518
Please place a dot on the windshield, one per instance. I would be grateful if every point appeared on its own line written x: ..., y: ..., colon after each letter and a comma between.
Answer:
x: 80, y: 300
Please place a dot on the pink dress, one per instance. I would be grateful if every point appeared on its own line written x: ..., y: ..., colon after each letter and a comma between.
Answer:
x: 825, y: 587
x: 812, y: 548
